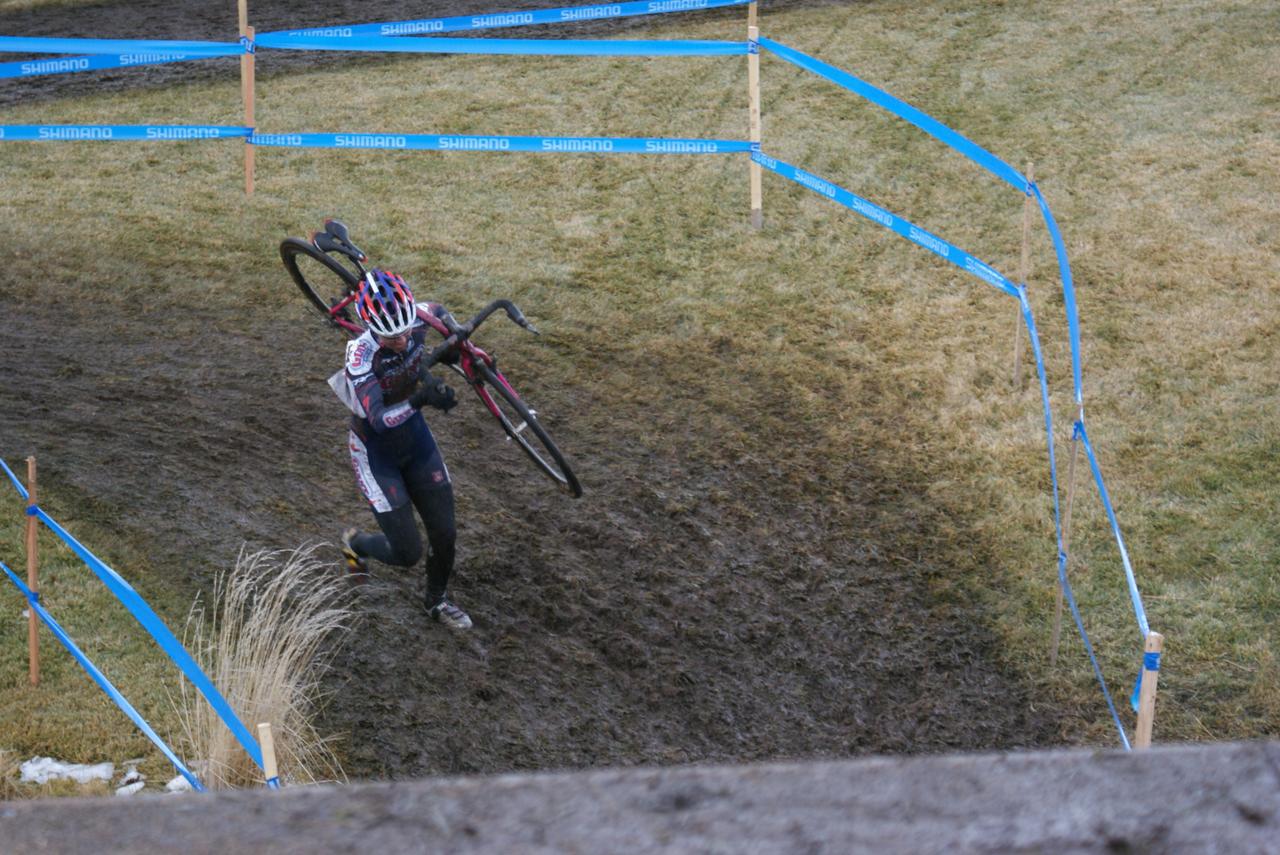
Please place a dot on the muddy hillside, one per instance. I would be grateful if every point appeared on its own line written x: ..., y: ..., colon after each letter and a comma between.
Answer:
x: 684, y: 610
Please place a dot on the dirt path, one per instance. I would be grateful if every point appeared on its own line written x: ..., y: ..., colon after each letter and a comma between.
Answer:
x: 649, y: 623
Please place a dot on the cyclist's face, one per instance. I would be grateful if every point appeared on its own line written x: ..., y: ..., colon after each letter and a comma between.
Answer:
x: 395, y: 344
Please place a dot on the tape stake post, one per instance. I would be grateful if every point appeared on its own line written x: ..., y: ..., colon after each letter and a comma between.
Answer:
x: 1147, y: 697
x: 1023, y: 273
x: 246, y: 93
x: 33, y: 636
x: 1066, y: 546
x: 268, y: 743
x: 753, y: 91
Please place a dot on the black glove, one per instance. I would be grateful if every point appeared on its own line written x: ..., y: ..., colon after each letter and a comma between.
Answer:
x: 433, y: 392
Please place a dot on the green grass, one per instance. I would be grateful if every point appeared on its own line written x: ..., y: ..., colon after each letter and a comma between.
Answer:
x: 821, y: 341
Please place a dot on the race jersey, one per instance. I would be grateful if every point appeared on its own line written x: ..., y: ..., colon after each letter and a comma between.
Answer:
x: 376, y: 382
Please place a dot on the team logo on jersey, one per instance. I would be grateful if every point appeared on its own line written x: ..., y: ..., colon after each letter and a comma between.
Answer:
x: 360, y: 356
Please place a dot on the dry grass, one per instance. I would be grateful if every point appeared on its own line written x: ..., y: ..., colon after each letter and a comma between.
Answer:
x: 264, y: 642
x: 67, y: 716
x: 9, y: 766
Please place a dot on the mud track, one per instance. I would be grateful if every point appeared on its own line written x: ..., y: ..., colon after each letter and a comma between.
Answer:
x: 645, y: 624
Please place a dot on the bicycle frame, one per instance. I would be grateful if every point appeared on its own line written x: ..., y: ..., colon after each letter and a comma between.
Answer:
x: 468, y: 353
x: 335, y: 316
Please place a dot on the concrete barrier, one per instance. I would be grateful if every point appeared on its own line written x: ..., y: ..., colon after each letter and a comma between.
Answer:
x: 1194, y: 798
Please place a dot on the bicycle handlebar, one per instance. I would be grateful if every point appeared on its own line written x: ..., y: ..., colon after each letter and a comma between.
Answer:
x: 461, y: 332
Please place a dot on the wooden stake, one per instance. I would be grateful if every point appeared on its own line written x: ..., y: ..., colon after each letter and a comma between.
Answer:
x: 268, y: 755
x: 33, y: 638
x: 1147, y: 696
x: 1023, y: 272
x: 246, y: 94
x: 1066, y: 548
x: 753, y: 90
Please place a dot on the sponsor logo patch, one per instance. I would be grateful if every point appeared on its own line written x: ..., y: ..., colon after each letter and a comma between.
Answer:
x: 326, y: 32
x: 369, y: 141
x: 590, y: 12
x: 359, y: 357
x: 154, y: 133
x: 577, y: 145
x: 410, y: 27
x: 677, y: 5
x: 502, y: 20
x: 277, y: 139
x: 145, y: 58
x: 53, y: 65
x: 681, y: 147
x: 83, y: 132
x: 476, y: 143
x: 928, y: 241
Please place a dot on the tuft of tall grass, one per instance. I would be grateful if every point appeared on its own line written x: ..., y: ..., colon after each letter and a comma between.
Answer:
x: 264, y: 640
x: 8, y: 775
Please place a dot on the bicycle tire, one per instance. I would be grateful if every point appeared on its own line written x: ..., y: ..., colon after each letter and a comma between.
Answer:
x: 324, y: 288
x: 544, y: 453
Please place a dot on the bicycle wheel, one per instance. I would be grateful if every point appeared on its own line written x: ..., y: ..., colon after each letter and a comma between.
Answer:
x: 522, y: 425
x: 325, y: 282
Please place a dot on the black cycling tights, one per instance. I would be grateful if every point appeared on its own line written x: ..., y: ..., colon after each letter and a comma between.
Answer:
x: 401, y: 545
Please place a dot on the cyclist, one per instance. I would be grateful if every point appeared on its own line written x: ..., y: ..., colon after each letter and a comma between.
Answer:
x: 397, y: 464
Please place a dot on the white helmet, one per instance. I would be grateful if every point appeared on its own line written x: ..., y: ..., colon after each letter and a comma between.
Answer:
x: 386, y: 304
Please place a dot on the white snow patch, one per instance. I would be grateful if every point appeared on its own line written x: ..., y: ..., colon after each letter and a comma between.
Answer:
x: 178, y: 785
x: 40, y: 770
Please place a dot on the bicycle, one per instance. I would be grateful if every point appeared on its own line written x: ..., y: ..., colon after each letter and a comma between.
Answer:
x: 331, y: 286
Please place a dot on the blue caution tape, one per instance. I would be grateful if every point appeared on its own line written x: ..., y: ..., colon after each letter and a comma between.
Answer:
x: 527, y: 47
x: 68, y: 64
x: 969, y: 149
x: 966, y: 262
x: 1150, y: 662
x: 1029, y: 319
x: 98, y: 677
x: 22, y: 491
x: 902, y: 110
x: 23, y: 44
x: 1134, y: 595
x: 1068, y: 293
x: 461, y: 23
x: 168, y: 643
x: 119, y: 133
x: 433, y: 142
